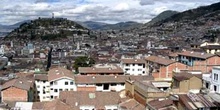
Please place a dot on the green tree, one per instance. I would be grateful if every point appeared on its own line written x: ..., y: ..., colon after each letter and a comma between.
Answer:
x: 83, y: 62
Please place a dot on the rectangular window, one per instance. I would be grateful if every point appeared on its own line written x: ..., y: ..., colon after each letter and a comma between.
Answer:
x: 215, y: 76
x: 71, y: 83
x: 215, y: 88
x: 113, y: 84
x: 139, y: 64
x: 51, y: 97
x: 60, y: 90
x: 55, y: 90
x: 51, y: 83
x: 127, y: 64
x: 66, y: 83
x: 139, y: 69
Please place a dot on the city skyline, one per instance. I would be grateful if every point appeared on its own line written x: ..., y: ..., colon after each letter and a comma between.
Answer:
x: 109, y: 11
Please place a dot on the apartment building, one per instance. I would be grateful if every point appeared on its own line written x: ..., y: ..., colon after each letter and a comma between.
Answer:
x: 133, y: 66
x: 49, y: 86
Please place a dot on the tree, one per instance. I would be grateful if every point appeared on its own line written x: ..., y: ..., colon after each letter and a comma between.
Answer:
x: 83, y: 62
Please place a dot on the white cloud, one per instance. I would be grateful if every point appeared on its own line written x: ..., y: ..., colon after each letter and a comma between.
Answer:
x: 96, y: 10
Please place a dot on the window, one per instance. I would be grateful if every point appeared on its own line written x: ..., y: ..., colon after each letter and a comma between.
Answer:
x: 51, y: 89
x: 215, y: 88
x: 113, y: 84
x: 71, y: 89
x: 215, y: 76
x: 55, y: 90
x: 44, y: 81
x: 98, y: 84
x: 139, y: 64
x: 51, y: 97
x: 71, y: 83
x: 139, y: 69
x: 133, y: 64
x: 66, y: 89
x: 127, y: 64
x: 38, y: 92
x: 51, y: 83
x: 66, y: 83
x: 38, y: 86
x: 60, y: 90
x: 127, y: 69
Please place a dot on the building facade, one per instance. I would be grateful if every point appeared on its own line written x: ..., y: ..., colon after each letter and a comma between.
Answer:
x: 133, y: 66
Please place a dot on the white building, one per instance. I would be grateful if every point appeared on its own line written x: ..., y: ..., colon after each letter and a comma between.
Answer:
x: 49, y: 86
x: 42, y: 87
x: 133, y: 66
x: 105, y: 83
x: 212, y: 81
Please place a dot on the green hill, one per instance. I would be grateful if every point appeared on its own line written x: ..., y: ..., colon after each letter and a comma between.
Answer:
x: 47, y: 29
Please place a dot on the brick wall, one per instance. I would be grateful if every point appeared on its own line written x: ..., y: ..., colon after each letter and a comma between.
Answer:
x: 167, y: 71
x: 14, y: 94
x: 206, y: 66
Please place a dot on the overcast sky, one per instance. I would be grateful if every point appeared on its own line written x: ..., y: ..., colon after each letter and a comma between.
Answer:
x: 110, y: 11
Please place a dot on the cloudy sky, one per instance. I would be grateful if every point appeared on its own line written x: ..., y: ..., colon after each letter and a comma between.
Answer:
x: 110, y: 11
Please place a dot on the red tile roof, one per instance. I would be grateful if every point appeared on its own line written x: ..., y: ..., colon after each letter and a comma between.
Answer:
x: 133, y: 61
x: 159, y: 60
x: 20, y: 83
x: 59, y: 72
x: 196, y: 54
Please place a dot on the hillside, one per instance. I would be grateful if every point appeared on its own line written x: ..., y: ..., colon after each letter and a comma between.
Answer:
x: 195, y: 14
x: 121, y: 26
x: 93, y: 25
x: 47, y: 29
x: 104, y: 26
x: 162, y: 16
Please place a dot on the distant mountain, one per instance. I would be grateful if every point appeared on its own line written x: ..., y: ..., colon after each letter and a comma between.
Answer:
x: 93, y: 25
x: 46, y: 29
x: 162, y: 16
x: 5, y: 29
x: 195, y: 14
x: 104, y: 26
x: 121, y: 26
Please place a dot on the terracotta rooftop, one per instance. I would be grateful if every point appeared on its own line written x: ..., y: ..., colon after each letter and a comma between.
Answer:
x: 131, y: 104
x: 51, y: 105
x: 159, y: 60
x: 20, y: 83
x: 84, y: 98
x: 133, y: 61
x: 156, y: 104
x: 83, y: 79
x: 195, y: 101
x: 101, y: 69
x: 41, y: 77
x: 59, y: 72
x: 196, y: 54
x: 185, y: 76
